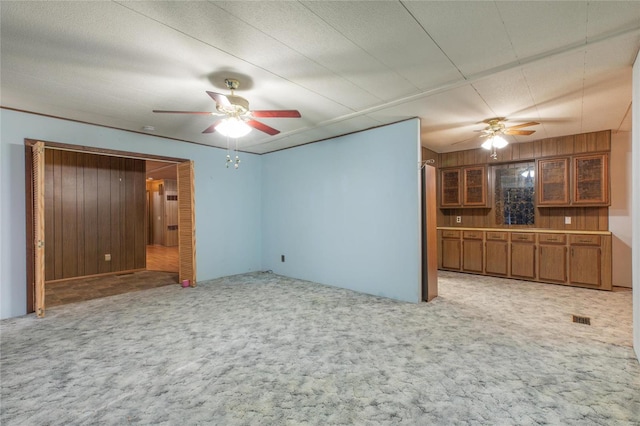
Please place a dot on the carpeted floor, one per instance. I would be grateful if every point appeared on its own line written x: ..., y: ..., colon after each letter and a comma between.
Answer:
x: 269, y: 350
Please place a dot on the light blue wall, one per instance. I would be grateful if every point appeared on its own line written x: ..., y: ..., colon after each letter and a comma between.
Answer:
x: 228, y: 201
x: 346, y: 212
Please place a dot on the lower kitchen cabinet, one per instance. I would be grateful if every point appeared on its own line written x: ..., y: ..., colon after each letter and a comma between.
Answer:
x: 497, y: 253
x: 585, y: 260
x: 472, y: 251
x: 450, y: 249
x: 569, y: 258
x: 523, y: 255
x: 552, y: 264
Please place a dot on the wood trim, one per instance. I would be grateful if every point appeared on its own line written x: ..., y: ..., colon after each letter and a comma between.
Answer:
x: 38, y: 227
x: 429, y: 235
x: 104, y: 151
x: 186, y: 223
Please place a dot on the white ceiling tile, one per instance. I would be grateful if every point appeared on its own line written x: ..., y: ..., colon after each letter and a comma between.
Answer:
x: 471, y: 33
x: 322, y: 44
x: 389, y: 33
x: 605, y: 17
x: 537, y: 27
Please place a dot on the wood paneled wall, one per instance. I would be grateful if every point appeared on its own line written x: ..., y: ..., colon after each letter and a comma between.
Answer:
x: 94, y: 205
x: 583, y: 218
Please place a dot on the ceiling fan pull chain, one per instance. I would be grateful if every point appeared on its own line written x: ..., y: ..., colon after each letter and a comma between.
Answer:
x: 228, y: 155
x: 237, y: 158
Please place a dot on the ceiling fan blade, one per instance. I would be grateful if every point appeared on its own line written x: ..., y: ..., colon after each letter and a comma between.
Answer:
x: 185, y: 112
x: 519, y: 132
x: 518, y: 126
x: 273, y: 113
x: 262, y: 127
x: 212, y: 128
x: 219, y: 98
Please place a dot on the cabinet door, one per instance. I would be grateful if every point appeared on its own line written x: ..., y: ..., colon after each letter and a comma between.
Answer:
x: 584, y: 265
x: 497, y: 258
x: 553, y: 182
x: 523, y: 260
x: 590, y: 180
x: 450, y: 188
x: 553, y: 263
x: 472, y: 255
x: 474, y: 186
x: 450, y: 254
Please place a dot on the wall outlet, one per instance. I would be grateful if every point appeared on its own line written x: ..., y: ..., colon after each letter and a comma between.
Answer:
x: 282, y: 258
x: 107, y: 258
x: 458, y: 219
x: 567, y: 220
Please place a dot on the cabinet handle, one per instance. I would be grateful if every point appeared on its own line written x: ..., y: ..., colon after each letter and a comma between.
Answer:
x: 585, y: 241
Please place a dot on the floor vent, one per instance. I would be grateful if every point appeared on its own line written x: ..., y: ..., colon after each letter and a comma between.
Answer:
x: 582, y: 320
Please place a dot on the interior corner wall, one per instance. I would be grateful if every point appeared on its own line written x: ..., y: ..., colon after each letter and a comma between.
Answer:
x: 346, y: 211
x: 620, y: 210
x: 228, y: 219
x: 635, y: 251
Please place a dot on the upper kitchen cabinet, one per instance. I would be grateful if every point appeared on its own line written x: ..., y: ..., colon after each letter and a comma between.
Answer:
x: 581, y: 180
x: 463, y: 187
x: 553, y: 182
x: 591, y: 180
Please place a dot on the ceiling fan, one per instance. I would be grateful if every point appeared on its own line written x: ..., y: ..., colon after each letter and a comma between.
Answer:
x: 238, y: 118
x: 496, y: 129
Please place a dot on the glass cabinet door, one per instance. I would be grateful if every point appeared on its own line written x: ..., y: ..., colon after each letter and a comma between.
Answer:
x: 450, y: 188
x: 590, y: 179
x: 553, y: 182
x: 475, y: 188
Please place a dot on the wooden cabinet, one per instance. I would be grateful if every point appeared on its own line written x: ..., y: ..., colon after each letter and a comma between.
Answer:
x: 569, y: 257
x: 590, y: 180
x: 472, y: 251
x: 450, y: 250
x: 496, y: 253
x: 552, y: 264
x: 450, y: 188
x: 587, y: 186
x: 474, y: 186
x: 523, y: 255
x: 463, y: 187
x: 585, y: 260
x: 553, y: 182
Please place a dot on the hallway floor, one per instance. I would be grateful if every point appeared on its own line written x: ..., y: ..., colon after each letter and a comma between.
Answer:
x: 162, y: 270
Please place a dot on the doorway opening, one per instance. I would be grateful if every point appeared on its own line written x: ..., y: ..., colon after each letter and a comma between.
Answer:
x: 98, y: 240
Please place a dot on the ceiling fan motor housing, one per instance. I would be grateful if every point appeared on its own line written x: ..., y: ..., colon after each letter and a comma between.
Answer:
x: 239, y: 106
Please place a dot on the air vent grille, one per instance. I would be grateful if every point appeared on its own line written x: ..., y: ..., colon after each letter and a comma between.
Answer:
x: 582, y: 320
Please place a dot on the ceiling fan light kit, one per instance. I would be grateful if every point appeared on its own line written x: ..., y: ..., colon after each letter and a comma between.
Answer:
x: 495, y: 141
x: 233, y: 127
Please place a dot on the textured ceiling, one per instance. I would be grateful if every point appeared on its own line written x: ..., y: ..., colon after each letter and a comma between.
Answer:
x: 346, y: 66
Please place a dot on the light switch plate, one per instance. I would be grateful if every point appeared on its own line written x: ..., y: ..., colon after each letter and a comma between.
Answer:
x: 567, y: 220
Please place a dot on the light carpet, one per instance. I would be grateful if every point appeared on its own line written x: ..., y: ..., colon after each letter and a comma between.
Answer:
x: 262, y: 349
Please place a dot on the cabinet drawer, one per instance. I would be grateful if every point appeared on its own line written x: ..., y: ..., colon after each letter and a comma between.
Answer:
x: 552, y: 238
x: 450, y: 234
x: 586, y: 240
x: 472, y: 235
x: 500, y: 236
x: 522, y: 237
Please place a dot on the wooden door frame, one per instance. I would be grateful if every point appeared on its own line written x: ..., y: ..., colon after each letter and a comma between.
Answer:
x: 29, y: 194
